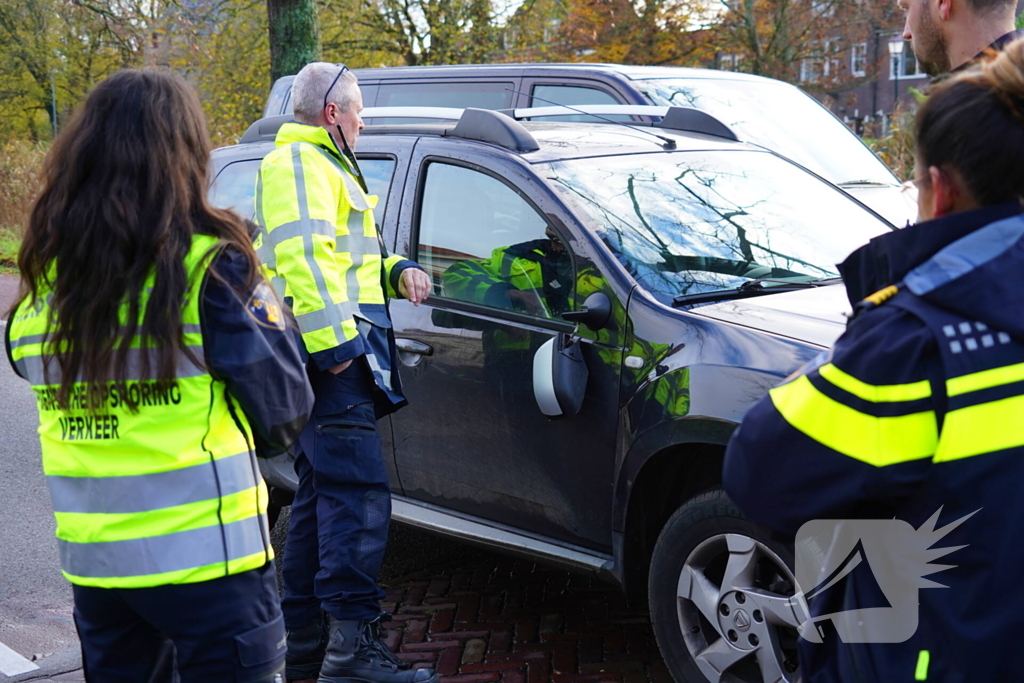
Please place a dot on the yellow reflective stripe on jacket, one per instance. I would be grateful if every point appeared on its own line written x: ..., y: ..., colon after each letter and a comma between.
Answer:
x: 878, y: 441
x: 980, y: 429
x: 884, y: 393
x: 985, y: 379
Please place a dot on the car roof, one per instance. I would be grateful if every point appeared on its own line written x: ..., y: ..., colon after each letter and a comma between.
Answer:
x: 570, y: 68
x: 556, y: 140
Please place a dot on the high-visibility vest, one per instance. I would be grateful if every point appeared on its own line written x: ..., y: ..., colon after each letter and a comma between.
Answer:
x: 169, y: 494
x: 318, y: 239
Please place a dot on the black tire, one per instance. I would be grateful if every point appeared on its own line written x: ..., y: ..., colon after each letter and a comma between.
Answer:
x: 694, y: 531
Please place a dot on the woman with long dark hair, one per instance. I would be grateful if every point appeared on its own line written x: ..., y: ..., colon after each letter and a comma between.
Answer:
x: 905, y: 443
x: 162, y: 365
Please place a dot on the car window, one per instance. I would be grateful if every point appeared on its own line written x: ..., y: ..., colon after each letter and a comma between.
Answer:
x: 494, y: 249
x: 573, y: 95
x: 480, y: 95
x: 378, y: 173
x: 795, y: 125
x: 235, y: 186
x: 691, y: 222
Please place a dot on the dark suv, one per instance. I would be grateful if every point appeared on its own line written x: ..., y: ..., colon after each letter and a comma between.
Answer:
x: 696, y: 271
x: 760, y: 110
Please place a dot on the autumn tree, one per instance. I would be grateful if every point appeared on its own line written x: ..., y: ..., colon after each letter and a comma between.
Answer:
x: 412, y: 32
x: 654, y: 32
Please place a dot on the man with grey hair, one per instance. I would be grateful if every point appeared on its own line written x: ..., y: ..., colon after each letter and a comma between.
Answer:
x: 947, y: 35
x: 319, y: 241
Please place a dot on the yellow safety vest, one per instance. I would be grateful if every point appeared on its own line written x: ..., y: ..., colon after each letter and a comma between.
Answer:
x: 169, y: 494
x: 318, y: 239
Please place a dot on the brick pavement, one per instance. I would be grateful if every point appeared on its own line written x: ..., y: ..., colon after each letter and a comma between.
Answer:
x: 499, y: 619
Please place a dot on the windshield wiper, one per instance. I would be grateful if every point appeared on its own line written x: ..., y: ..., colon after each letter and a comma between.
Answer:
x: 752, y: 288
x: 864, y: 183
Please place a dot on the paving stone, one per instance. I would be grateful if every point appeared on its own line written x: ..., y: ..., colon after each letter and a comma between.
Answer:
x: 517, y: 622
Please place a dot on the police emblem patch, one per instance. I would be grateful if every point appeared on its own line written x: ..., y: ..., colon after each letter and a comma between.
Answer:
x: 264, y: 308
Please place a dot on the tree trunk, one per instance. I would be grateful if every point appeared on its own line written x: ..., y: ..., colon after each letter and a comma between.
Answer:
x: 294, y: 36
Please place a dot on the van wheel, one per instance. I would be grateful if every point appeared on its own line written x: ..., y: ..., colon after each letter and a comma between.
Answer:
x: 718, y: 592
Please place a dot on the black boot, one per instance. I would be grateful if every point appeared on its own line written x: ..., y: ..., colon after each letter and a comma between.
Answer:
x: 306, y: 648
x: 356, y: 655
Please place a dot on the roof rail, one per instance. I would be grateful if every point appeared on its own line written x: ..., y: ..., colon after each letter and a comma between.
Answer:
x: 486, y: 125
x: 266, y: 129
x: 685, y: 119
x: 502, y: 128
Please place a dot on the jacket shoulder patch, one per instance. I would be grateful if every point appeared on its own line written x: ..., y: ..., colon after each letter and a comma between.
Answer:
x: 264, y: 308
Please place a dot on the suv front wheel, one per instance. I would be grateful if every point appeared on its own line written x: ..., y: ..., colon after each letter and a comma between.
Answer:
x: 719, y: 596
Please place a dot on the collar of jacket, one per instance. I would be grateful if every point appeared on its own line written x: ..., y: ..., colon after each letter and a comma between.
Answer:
x: 886, y: 259
x: 998, y: 44
x: 293, y: 131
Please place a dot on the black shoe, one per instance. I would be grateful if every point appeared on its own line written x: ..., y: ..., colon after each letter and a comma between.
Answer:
x: 306, y: 649
x: 356, y: 655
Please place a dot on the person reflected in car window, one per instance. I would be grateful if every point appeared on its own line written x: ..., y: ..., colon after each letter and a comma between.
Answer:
x: 534, y: 277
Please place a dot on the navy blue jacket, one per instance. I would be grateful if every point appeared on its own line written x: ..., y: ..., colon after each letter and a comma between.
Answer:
x: 263, y: 364
x: 918, y: 407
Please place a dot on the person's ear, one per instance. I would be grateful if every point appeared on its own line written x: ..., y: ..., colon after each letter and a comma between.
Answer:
x: 331, y: 113
x: 945, y: 192
x: 945, y: 8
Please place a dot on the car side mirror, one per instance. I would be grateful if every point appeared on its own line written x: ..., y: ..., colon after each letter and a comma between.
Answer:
x: 595, y: 312
x: 560, y: 376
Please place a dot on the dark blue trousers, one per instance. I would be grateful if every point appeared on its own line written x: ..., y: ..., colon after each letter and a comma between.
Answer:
x: 340, y: 515
x: 227, y: 630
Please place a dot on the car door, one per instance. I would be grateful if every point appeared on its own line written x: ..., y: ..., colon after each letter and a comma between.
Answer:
x: 472, y: 439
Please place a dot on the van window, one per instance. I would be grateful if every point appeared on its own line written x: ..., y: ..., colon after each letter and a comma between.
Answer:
x: 480, y: 95
x: 573, y: 95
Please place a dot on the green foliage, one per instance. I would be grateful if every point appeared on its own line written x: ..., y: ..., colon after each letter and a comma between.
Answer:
x: 20, y: 163
x: 897, y: 148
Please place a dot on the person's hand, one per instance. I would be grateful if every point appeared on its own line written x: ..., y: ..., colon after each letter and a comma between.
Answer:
x: 339, y: 368
x: 529, y: 300
x: 414, y: 285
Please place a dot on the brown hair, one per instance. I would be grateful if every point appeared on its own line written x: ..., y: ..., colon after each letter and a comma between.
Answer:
x: 974, y: 123
x: 124, y: 191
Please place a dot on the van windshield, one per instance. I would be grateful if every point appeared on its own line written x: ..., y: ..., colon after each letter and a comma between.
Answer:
x: 780, y: 117
x: 691, y: 222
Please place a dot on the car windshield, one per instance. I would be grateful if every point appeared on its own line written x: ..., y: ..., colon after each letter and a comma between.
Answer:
x: 689, y: 222
x: 780, y: 117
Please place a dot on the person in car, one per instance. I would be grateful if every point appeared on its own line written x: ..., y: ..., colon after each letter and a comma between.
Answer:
x: 320, y: 243
x: 150, y: 337
x: 947, y: 35
x: 917, y: 410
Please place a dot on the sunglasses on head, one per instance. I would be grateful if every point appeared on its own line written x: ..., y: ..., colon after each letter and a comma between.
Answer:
x: 334, y: 82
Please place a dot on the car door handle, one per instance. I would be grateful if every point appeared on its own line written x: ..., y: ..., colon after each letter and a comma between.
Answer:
x: 413, y: 346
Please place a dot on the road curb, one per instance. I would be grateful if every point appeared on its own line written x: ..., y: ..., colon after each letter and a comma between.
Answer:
x: 66, y: 661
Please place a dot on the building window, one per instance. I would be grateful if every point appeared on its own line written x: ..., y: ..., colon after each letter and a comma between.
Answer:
x: 908, y: 65
x: 859, y: 60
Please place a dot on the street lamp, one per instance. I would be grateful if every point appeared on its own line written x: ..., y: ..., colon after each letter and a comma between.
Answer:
x: 895, y: 50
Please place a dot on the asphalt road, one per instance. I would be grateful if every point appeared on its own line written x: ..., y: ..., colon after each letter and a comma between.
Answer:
x: 35, y: 600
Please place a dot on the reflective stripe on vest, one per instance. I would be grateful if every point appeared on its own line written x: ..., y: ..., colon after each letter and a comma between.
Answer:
x: 168, y: 494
